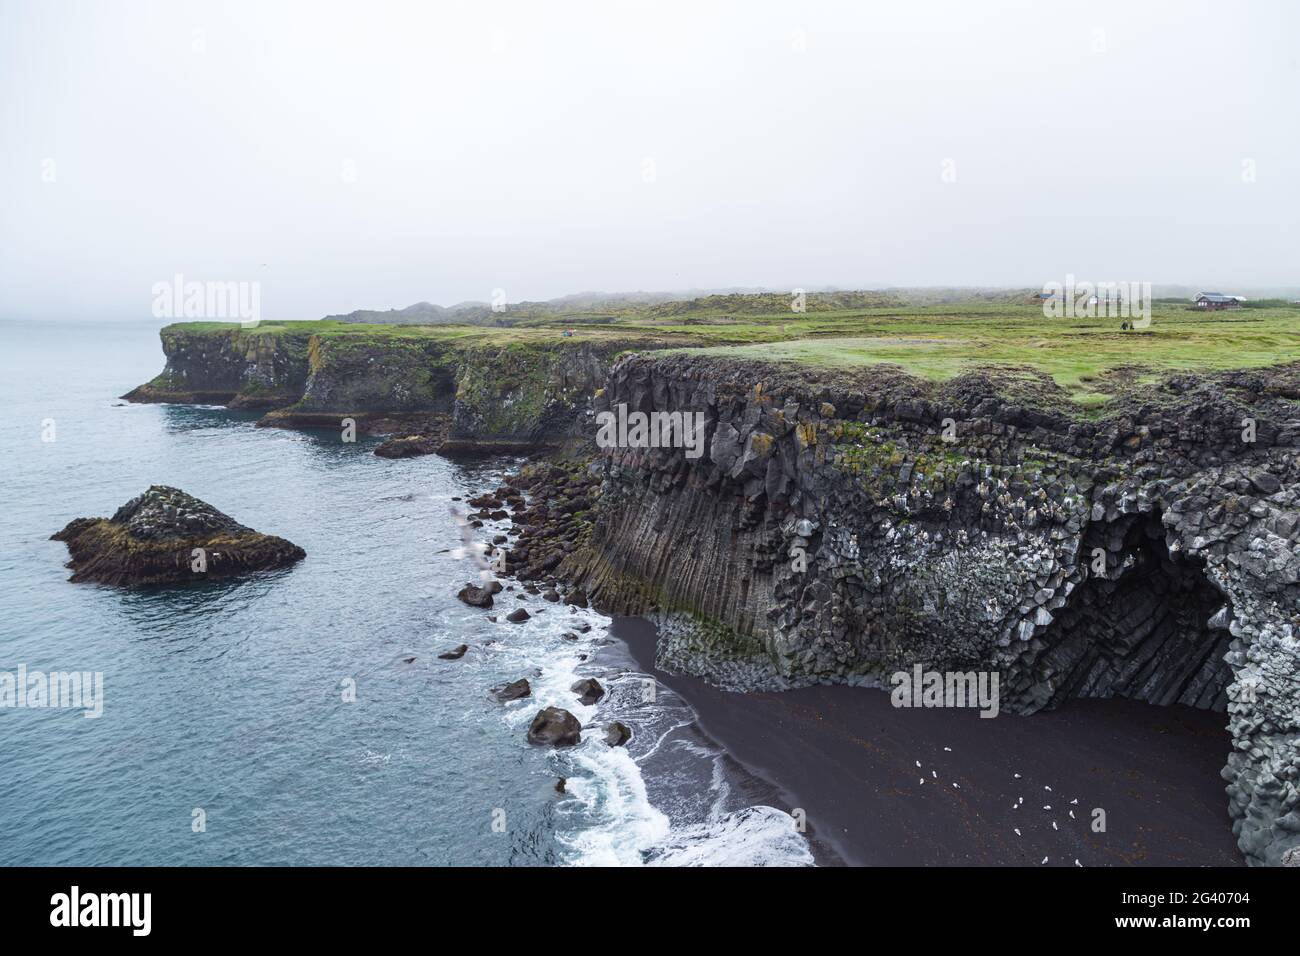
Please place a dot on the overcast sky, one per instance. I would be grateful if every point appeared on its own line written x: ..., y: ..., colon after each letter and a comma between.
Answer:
x: 370, y: 155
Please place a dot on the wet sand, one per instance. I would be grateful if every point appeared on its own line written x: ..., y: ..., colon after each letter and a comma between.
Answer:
x: 848, y: 758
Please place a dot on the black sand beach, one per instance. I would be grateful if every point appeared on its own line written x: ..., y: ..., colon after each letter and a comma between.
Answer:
x: 850, y: 760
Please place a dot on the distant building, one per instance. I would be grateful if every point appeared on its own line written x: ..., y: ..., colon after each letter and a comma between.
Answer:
x: 1214, y: 301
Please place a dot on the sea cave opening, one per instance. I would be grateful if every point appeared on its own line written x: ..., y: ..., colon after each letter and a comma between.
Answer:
x: 1149, y: 629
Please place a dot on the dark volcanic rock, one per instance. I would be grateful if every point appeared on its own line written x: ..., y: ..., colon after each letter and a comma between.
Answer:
x: 842, y: 526
x: 588, y: 690
x: 517, y: 616
x: 475, y: 596
x: 617, y: 734
x: 1265, y: 483
x: 839, y: 528
x: 408, y: 446
x: 555, y: 727
x: 455, y: 654
x: 515, y: 690
x: 165, y: 536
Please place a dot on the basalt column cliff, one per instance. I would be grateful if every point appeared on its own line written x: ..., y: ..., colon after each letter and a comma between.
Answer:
x: 841, y: 527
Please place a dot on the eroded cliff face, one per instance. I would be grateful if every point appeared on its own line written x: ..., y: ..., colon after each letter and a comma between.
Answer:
x: 231, y: 366
x: 361, y: 377
x: 526, y: 395
x: 844, y: 529
x: 514, y: 395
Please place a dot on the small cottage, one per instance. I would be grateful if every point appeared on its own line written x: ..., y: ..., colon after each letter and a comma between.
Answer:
x: 1214, y: 301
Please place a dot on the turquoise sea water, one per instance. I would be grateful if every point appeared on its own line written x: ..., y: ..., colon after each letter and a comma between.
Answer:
x: 228, y: 698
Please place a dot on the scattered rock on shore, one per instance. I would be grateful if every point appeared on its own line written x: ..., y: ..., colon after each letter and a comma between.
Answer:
x: 455, y: 654
x: 556, y: 523
x: 515, y: 690
x: 555, y: 727
x: 475, y: 596
x: 617, y: 734
x: 517, y: 616
x: 588, y: 690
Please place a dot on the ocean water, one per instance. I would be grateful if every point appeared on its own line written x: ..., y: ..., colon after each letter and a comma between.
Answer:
x: 225, y: 702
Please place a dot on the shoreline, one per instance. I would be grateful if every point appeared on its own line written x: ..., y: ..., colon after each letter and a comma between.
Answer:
x: 848, y: 758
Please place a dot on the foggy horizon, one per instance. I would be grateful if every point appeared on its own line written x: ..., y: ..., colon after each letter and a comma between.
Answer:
x: 350, y: 158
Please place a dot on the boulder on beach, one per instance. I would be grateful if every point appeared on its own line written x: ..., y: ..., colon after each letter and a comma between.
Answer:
x: 588, y: 690
x: 475, y: 596
x: 455, y: 654
x: 517, y: 616
x: 165, y: 536
x: 555, y: 727
x: 617, y: 734
x: 515, y: 690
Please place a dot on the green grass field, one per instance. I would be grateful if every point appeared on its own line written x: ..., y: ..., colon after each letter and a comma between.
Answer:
x: 1082, y: 355
x: 1079, y: 354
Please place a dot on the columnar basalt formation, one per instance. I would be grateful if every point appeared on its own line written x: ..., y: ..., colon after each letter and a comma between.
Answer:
x: 842, y: 527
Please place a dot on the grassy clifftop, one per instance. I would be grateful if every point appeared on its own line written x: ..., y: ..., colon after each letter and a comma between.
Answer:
x: 1089, y: 360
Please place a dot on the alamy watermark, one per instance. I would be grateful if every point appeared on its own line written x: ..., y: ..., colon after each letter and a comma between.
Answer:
x: 179, y: 299
x: 922, y: 688
x: 75, y: 908
x: 1089, y: 300
x: 624, y: 429
x: 75, y: 690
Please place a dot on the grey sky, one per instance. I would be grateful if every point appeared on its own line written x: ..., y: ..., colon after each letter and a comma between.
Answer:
x: 509, y: 145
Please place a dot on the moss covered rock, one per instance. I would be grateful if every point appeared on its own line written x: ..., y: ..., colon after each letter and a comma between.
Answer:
x: 165, y: 536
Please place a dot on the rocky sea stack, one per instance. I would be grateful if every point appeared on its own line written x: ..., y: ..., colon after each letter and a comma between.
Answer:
x: 165, y: 536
